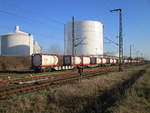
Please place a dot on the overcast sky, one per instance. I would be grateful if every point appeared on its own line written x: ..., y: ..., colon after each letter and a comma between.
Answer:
x: 45, y: 20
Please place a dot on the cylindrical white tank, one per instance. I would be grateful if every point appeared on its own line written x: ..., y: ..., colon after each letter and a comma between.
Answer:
x: 17, y: 43
x: 98, y: 60
x: 86, y: 60
x: 88, y: 38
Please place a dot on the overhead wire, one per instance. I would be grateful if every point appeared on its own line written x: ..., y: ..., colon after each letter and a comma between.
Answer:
x: 13, y: 14
x: 33, y: 12
x: 111, y: 41
x: 26, y: 19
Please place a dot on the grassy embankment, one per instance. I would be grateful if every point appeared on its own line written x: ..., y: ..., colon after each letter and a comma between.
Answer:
x: 136, y: 99
x: 70, y: 98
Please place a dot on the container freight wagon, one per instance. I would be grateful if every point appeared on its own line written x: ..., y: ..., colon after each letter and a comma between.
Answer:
x: 49, y: 62
x: 93, y: 60
x: 99, y: 60
x: 86, y: 61
x: 113, y: 61
x: 72, y: 60
x: 46, y: 62
x: 105, y: 61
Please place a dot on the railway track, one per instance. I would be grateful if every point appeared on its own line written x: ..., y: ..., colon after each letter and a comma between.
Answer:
x: 14, y: 89
x: 52, y: 75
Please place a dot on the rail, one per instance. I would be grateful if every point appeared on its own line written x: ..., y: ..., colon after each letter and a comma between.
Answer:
x: 13, y: 88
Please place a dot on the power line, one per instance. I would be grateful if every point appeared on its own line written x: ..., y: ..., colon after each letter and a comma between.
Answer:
x: 24, y: 18
x: 111, y: 41
x: 27, y: 18
x: 31, y: 11
x: 13, y: 14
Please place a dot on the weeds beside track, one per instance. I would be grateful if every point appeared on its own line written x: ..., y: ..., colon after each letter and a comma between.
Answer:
x: 9, y: 91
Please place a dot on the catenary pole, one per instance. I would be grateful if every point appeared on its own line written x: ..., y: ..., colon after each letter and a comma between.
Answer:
x: 120, y: 38
x: 73, y: 37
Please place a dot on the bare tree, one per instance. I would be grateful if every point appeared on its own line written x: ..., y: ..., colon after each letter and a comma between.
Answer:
x: 55, y: 49
x: 43, y: 50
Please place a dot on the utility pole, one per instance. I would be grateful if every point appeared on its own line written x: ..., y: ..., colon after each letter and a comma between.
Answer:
x: 137, y: 54
x: 130, y: 52
x: 73, y: 37
x: 120, y: 38
x: 141, y: 55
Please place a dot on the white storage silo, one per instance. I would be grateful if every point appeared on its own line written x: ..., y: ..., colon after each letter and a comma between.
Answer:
x: 88, y: 38
x: 17, y: 43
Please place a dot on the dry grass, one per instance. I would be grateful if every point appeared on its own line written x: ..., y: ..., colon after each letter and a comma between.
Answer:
x: 70, y: 98
x: 137, y: 99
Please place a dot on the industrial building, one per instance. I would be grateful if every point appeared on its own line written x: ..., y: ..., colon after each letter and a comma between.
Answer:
x: 88, y: 38
x: 19, y: 43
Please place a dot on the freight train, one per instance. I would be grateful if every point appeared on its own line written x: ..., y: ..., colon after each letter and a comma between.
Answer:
x: 50, y: 62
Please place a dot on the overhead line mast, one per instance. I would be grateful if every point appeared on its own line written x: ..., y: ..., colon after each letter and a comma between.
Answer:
x: 73, y: 37
x: 120, y: 38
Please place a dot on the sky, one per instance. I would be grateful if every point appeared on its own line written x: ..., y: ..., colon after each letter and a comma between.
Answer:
x: 45, y: 20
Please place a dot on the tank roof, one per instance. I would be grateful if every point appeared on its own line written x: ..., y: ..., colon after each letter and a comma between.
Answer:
x: 16, y: 31
x: 85, y: 21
